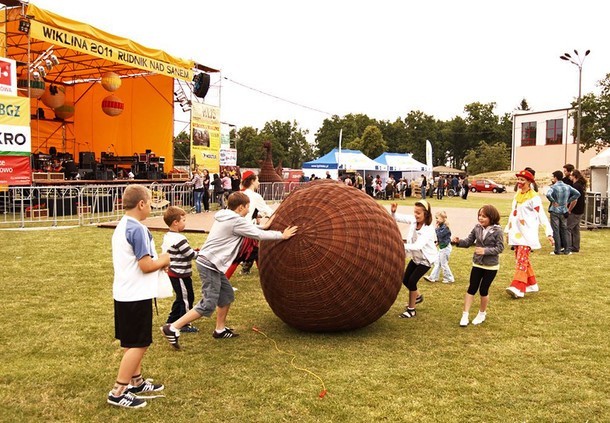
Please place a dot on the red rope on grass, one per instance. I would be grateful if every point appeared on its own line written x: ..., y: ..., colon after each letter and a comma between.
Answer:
x: 322, y: 394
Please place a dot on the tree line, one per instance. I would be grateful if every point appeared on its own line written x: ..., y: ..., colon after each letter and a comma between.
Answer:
x: 478, y: 142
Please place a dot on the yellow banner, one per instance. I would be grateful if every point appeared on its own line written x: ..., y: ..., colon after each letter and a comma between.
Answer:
x: 205, y: 137
x: 44, y: 32
x: 14, y: 111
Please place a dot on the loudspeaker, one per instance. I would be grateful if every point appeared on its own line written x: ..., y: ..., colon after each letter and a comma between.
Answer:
x: 86, y: 159
x: 52, y: 150
x: 201, y: 84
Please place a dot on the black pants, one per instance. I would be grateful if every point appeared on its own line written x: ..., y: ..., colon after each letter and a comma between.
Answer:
x: 183, y: 287
x: 413, y: 273
x: 480, y: 280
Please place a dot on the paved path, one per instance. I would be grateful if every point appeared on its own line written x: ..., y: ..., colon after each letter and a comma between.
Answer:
x: 461, y: 220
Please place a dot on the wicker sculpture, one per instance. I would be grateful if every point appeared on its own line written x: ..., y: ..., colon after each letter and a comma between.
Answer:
x: 343, y: 270
x: 267, y: 172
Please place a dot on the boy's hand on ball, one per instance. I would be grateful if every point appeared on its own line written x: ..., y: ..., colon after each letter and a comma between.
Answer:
x: 289, y: 232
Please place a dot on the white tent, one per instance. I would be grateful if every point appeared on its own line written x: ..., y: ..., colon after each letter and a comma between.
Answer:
x: 344, y: 160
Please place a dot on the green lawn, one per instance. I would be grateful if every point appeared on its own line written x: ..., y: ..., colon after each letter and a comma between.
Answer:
x: 544, y: 358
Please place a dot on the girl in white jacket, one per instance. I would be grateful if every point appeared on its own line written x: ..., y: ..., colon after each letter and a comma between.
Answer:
x: 420, y: 245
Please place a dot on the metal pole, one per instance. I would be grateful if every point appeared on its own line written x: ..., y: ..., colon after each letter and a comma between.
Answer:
x: 579, y: 114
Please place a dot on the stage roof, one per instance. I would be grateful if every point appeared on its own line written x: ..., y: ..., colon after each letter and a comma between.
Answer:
x: 85, y: 52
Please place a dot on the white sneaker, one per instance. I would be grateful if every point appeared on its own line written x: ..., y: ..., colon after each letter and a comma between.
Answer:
x: 464, y: 320
x: 480, y: 318
x: 532, y: 288
x: 429, y: 279
x: 514, y: 292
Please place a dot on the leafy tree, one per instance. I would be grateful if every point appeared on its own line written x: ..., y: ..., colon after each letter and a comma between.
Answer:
x: 523, y: 105
x: 290, y: 147
x: 372, y: 144
x: 182, y: 149
x: 353, y: 126
x: 419, y: 127
x: 248, y: 143
x: 595, y: 122
x: 488, y: 158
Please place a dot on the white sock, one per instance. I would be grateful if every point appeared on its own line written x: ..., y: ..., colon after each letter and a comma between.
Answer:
x: 173, y: 328
x: 464, y: 313
x: 219, y: 331
x: 482, y: 312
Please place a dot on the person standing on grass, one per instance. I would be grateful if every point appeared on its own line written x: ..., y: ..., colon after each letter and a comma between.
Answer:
x: 197, y: 182
x: 526, y: 215
x: 180, y: 269
x: 488, y: 238
x: 421, y: 240
x: 443, y: 237
x: 136, y: 268
x: 576, y: 209
x: 560, y: 196
x: 216, y: 255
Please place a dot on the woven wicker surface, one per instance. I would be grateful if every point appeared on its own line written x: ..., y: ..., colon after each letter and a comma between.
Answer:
x: 343, y: 269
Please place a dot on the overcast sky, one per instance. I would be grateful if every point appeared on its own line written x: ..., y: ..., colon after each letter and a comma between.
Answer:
x: 381, y: 58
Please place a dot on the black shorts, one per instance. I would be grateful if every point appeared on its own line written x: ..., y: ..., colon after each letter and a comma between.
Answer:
x: 133, y: 323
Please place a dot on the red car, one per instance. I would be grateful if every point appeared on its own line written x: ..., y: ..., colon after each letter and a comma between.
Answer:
x: 484, y: 185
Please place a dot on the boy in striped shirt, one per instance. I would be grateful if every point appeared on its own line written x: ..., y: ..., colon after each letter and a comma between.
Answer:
x: 180, y: 269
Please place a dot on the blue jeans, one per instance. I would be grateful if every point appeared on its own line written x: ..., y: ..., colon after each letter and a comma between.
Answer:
x: 560, y: 233
x: 198, y: 195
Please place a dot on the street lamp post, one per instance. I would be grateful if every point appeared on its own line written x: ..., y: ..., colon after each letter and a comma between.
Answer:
x: 578, y: 61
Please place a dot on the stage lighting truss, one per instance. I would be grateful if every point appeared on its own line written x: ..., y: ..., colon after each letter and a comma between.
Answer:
x: 44, y: 64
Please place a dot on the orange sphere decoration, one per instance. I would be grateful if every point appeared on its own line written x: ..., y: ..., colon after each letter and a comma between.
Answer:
x: 54, y: 96
x: 111, y: 81
x: 65, y: 111
x: 36, y: 87
x: 112, y: 105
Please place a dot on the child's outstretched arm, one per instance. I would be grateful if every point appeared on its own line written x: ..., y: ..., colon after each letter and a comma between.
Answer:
x: 147, y: 264
x: 289, y: 232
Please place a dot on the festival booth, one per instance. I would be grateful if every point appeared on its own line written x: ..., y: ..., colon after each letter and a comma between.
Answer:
x: 343, y: 161
x: 402, y: 165
x: 98, y: 102
x: 596, y: 204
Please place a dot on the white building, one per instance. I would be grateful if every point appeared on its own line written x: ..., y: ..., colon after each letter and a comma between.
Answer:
x: 545, y: 142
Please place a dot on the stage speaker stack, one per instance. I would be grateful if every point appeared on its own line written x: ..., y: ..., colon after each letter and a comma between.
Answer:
x: 86, y: 160
x: 201, y: 84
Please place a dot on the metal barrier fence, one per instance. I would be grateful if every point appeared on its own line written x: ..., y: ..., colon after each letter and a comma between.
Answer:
x: 37, y: 206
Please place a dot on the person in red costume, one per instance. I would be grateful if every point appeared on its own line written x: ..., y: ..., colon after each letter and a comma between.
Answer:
x: 526, y: 215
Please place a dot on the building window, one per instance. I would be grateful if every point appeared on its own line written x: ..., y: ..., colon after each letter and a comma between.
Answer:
x: 554, y: 131
x: 528, y: 134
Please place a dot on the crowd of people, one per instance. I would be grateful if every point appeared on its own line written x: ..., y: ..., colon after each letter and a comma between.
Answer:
x: 238, y: 227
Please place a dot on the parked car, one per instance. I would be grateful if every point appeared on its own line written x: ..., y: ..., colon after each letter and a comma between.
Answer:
x: 483, y: 185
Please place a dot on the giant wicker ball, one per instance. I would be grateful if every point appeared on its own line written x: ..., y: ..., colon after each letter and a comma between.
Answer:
x: 342, y: 270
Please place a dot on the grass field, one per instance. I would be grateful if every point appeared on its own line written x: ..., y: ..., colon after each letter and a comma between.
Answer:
x: 544, y: 358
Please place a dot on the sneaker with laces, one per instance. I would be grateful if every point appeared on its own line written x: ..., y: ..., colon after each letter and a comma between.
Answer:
x: 227, y: 333
x: 448, y: 281
x: 532, y: 288
x: 464, y: 320
x: 146, y: 386
x: 171, y: 336
x: 189, y: 329
x: 127, y: 400
x: 480, y: 318
x: 514, y: 292
x: 419, y: 299
x: 408, y: 314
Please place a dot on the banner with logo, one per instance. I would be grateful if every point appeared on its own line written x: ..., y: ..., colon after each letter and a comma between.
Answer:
x: 205, y: 137
x: 8, y: 76
x: 15, y: 170
x: 15, y: 134
x: 228, y: 157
